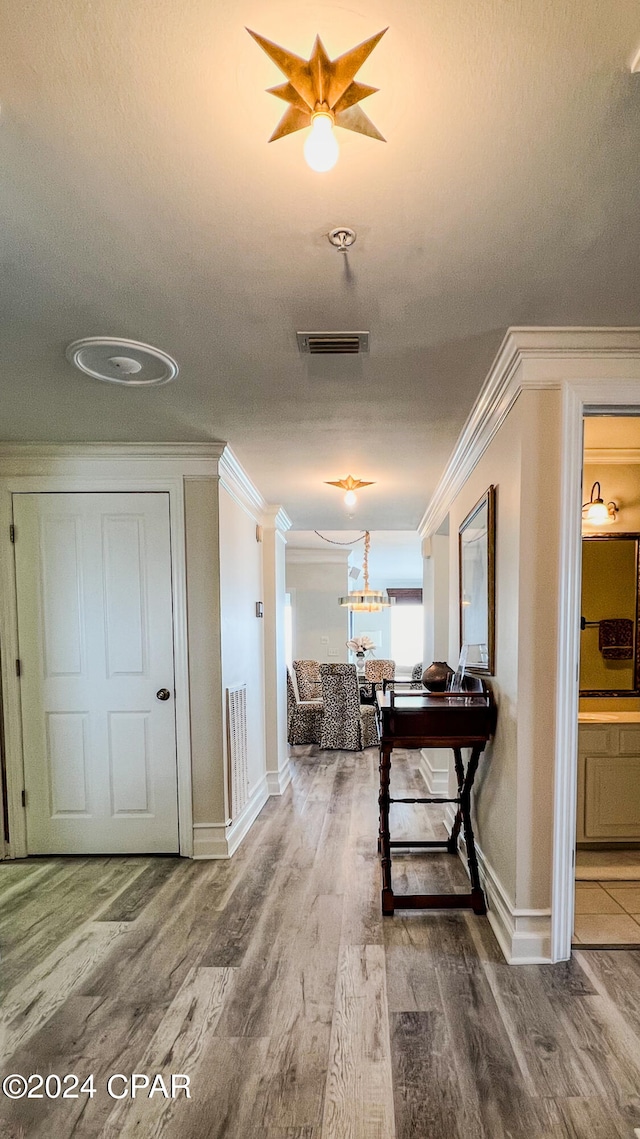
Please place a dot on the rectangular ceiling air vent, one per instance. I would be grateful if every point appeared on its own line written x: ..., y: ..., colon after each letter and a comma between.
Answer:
x: 333, y: 343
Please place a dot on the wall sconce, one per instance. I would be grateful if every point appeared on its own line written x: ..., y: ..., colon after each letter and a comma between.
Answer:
x: 350, y: 485
x: 322, y: 93
x: 598, y: 512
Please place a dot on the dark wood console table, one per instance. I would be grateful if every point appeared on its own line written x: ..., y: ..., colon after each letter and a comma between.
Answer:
x: 410, y: 718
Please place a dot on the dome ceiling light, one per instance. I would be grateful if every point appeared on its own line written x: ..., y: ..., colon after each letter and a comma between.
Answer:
x: 322, y: 93
x: 126, y: 362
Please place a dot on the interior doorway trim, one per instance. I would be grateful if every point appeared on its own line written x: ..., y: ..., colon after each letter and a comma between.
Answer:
x: 44, y: 468
x: 588, y: 397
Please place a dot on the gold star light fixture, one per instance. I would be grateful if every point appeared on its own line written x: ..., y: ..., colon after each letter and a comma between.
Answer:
x: 350, y: 485
x: 322, y: 93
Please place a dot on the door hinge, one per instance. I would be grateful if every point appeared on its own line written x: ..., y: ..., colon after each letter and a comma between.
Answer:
x: 18, y: 668
x: 24, y: 797
x: 12, y: 533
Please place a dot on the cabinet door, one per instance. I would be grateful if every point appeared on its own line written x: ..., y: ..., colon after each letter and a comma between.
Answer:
x: 612, y: 797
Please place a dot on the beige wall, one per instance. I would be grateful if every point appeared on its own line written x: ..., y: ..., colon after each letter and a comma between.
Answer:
x: 226, y: 647
x: 514, y: 790
x: 620, y: 483
x: 241, y: 631
x: 315, y: 586
x: 277, y: 756
x: 435, y: 597
x: 205, y: 668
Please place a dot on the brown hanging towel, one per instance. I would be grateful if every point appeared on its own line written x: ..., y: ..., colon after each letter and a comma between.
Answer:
x: 615, y: 639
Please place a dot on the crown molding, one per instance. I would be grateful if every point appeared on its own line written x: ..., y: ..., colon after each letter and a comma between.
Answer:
x: 236, y: 481
x: 190, y: 460
x: 612, y: 457
x: 110, y: 461
x: 212, y: 450
x: 529, y: 358
x: 277, y: 517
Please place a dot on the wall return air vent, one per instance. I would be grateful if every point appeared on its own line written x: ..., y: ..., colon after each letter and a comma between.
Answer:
x: 332, y: 343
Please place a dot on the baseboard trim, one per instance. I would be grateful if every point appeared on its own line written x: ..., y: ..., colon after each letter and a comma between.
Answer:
x: 221, y: 840
x: 524, y: 935
x: 436, y: 778
x: 278, y: 781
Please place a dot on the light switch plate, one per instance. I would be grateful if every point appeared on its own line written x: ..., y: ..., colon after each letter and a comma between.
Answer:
x: 333, y: 652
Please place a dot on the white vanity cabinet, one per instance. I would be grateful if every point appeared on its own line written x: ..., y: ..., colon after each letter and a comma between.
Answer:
x: 608, y: 778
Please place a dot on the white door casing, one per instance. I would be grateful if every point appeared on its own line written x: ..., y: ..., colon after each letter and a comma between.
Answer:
x: 95, y: 629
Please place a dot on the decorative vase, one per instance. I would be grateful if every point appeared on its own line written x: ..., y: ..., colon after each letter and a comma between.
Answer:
x: 435, y: 676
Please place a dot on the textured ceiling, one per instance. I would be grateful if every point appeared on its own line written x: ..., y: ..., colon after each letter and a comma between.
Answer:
x: 139, y: 198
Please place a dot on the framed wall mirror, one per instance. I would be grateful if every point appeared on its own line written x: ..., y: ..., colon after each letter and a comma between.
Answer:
x: 476, y: 562
x: 609, y: 660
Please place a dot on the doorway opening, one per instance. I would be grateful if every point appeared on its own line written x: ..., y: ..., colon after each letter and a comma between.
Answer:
x: 607, y: 863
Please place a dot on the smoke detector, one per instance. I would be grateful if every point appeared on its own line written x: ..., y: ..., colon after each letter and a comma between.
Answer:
x: 122, y: 361
x: 332, y: 343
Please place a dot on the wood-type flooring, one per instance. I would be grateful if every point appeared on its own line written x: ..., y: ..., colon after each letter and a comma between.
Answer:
x: 297, y: 1012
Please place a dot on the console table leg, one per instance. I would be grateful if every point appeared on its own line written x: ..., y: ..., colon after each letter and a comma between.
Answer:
x: 384, y: 836
x: 477, y: 895
x: 388, y: 903
x: 452, y: 845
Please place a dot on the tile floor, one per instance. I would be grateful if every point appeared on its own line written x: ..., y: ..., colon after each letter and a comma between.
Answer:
x: 607, y: 913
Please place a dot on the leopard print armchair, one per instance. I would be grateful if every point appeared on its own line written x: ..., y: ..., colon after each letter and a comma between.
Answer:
x: 308, y: 678
x: 379, y: 670
x: 304, y: 718
x: 416, y: 675
x: 346, y: 724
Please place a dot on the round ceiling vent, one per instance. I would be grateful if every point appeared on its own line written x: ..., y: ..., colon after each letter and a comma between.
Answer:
x: 122, y: 361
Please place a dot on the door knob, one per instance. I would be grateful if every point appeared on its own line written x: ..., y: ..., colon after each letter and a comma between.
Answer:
x: 163, y: 694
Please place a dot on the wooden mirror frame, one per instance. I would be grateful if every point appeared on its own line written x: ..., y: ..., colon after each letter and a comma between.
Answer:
x: 622, y: 692
x: 489, y: 500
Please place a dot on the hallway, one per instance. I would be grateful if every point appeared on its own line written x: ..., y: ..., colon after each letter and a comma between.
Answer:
x: 272, y: 981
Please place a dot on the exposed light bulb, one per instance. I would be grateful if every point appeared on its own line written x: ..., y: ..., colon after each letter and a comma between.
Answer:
x: 321, y: 148
x: 598, y: 514
x: 350, y: 498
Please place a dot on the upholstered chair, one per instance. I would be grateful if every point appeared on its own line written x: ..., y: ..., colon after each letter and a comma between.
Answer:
x: 416, y: 675
x: 379, y: 670
x: 304, y: 718
x: 346, y: 723
x: 308, y: 678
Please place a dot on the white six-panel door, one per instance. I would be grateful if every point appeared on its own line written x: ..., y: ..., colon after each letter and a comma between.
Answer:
x: 96, y: 646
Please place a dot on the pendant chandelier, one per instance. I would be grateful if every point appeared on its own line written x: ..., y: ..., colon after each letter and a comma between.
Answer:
x: 366, y: 600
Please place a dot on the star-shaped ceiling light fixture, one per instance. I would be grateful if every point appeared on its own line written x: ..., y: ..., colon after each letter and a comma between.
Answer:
x: 322, y: 93
x: 351, y: 485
